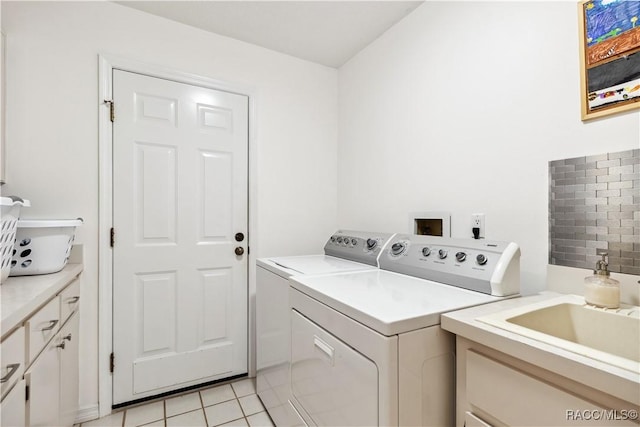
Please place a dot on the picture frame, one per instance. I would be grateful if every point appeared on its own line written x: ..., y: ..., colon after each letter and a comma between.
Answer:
x: 609, y: 33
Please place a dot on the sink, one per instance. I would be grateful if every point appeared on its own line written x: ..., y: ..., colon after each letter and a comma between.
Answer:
x: 610, y: 336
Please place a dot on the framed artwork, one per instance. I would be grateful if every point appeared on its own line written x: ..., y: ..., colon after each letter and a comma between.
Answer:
x: 609, y: 56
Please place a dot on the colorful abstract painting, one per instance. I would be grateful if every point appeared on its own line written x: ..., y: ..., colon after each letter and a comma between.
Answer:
x: 612, y: 28
x: 611, y: 50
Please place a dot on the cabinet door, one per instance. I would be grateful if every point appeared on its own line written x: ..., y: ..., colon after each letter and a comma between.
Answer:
x: 12, y: 358
x: 43, y: 379
x: 13, y: 408
x: 69, y: 374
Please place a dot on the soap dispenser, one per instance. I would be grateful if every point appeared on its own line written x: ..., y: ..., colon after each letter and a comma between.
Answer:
x: 600, y: 289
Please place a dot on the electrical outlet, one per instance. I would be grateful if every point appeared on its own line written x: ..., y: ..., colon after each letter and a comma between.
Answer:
x: 477, y: 221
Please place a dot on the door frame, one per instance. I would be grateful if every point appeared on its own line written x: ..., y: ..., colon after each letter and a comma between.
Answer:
x: 106, y: 65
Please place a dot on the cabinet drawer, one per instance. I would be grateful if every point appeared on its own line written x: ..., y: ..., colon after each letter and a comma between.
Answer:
x: 12, y: 357
x: 41, y: 327
x: 507, y: 395
x: 69, y: 300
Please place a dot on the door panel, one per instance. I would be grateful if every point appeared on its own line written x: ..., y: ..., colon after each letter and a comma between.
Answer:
x: 180, y: 193
x: 156, y: 189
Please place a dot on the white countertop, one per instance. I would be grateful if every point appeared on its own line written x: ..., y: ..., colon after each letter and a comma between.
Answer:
x: 21, y: 296
x: 593, y: 373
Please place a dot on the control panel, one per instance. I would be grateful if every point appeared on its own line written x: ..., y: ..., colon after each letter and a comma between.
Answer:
x: 359, y: 246
x: 479, y: 265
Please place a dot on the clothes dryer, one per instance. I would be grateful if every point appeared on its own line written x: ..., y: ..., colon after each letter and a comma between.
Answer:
x: 344, y: 251
x: 367, y: 347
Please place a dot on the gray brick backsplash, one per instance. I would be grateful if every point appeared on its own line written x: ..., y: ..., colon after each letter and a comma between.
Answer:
x: 608, y: 163
x: 576, y: 161
x: 589, y: 159
x: 608, y: 178
x: 594, y: 207
x: 620, y: 155
x: 621, y: 170
x: 608, y: 208
x: 600, y: 186
x: 620, y: 215
x: 608, y: 193
x: 586, y: 180
x: 596, y: 172
x: 621, y: 184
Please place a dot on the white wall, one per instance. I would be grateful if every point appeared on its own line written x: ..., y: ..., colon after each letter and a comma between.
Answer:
x: 52, y: 72
x: 459, y: 108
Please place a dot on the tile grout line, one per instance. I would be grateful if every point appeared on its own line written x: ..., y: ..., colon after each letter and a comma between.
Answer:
x: 244, y: 416
x: 206, y: 421
x: 164, y: 411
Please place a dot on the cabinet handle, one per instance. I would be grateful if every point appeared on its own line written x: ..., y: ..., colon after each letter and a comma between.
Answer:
x: 61, y: 345
x: 73, y: 300
x: 12, y: 368
x: 52, y: 324
x: 68, y: 338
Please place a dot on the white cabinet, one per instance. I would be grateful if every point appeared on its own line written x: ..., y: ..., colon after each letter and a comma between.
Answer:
x: 12, y: 408
x: 69, y: 374
x: 12, y: 356
x: 40, y: 362
x: 43, y: 380
x: 53, y: 379
x: 497, y: 389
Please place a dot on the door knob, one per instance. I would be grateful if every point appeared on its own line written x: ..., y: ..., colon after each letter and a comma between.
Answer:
x: 239, y: 237
x: 239, y: 250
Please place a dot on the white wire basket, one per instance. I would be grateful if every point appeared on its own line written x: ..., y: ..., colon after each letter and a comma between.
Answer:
x: 43, y: 246
x: 10, y: 212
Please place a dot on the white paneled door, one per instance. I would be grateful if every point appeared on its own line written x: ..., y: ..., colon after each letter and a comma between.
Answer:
x: 180, y: 202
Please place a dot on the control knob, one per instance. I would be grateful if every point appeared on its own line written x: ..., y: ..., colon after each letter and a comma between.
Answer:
x: 398, y: 248
x: 371, y: 244
x: 354, y: 242
x: 426, y: 251
x: 339, y: 239
x: 442, y: 253
x: 461, y: 256
x: 481, y: 259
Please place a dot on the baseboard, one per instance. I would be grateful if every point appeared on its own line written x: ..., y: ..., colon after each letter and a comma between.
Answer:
x: 88, y: 413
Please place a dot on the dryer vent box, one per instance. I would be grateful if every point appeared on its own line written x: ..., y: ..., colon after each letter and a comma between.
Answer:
x: 430, y: 223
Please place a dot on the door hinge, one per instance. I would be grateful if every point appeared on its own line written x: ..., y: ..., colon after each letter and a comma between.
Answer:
x: 112, y: 113
x: 26, y: 393
x: 111, y: 363
x: 112, y: 237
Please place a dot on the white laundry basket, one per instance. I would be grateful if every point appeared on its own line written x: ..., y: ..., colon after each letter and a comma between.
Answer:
x: 43, y: 246
x: 10, y: 212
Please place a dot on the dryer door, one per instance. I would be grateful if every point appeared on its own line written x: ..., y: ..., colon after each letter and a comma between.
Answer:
x: 332, y: 383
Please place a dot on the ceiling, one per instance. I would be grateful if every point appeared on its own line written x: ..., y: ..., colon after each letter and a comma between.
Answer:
x: 325, y: 32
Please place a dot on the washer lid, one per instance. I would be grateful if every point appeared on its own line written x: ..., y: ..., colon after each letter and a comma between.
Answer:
x: 310, y: 264
x: 388, y: 302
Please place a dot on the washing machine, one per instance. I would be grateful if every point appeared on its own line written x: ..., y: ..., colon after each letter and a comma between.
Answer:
x: 345, y: 251
x: 367, y: 348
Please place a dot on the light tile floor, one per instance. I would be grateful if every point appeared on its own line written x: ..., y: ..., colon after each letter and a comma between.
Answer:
x: 235, y: 404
